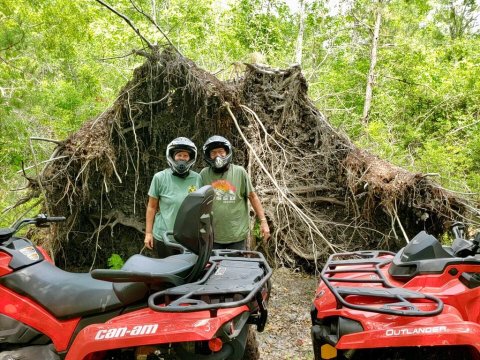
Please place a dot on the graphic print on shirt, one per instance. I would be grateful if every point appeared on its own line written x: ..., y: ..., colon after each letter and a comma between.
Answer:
x: 224, y: 191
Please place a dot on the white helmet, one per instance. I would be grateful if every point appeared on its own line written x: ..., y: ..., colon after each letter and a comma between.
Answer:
x: 181, y: 167
x: 220, y: 163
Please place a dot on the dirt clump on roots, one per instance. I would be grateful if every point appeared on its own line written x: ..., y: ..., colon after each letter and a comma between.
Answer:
x: 320, y: 192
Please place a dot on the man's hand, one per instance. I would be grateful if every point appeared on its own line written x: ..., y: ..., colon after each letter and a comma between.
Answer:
x: 258, y: 208
x: 148, y: 241
x: 264, y: 229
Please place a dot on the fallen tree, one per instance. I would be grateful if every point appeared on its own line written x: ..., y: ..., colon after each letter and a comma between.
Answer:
x: 321, y: 193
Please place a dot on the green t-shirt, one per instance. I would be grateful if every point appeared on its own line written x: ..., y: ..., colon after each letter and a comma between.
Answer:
x: 230, y: 205
x: 170, y: 190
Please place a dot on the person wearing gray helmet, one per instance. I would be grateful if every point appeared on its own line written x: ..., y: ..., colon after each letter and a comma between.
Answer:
x: 168, y: 189
x: 233, y: 189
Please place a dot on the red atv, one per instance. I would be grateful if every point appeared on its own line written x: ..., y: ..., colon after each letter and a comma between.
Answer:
x: 194, y: 305
x: 421, y: 303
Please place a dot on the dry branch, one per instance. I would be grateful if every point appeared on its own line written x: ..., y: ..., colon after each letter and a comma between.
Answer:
x: 128, y: 21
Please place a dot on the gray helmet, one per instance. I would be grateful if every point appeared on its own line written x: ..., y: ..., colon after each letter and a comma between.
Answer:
x: 181, y: 167
x: 219, y: 163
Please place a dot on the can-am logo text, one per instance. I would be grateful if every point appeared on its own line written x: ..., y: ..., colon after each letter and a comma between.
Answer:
x: 125, y: 331
x: 416, y: 331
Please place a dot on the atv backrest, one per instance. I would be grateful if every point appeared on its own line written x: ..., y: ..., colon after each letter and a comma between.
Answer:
x: 193, y: 226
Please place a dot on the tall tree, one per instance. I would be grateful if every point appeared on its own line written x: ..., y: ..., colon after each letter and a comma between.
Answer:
x: 301, y: 30
x: 373, y: 63
x: 461, y: 17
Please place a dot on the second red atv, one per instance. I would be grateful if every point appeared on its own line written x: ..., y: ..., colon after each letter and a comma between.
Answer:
x: 421, y: 303
x: 195, y: 305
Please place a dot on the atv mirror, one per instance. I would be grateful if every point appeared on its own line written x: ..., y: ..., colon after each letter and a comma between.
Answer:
x: 193, y: 224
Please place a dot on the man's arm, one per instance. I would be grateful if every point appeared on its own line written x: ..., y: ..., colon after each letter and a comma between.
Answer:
x: 260, y: 213
x: 152, y: 208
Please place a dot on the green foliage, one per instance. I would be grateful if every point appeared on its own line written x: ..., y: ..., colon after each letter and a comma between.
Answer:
x: 256, y: 231
x: 264, y: 26
x: 115, y: 262
x: 425, y: 108
x: 63, y: 62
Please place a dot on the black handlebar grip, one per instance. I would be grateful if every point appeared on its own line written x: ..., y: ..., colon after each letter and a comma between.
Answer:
x: 56, y: 218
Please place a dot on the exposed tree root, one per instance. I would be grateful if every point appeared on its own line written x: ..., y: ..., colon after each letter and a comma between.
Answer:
x: 321, y: 193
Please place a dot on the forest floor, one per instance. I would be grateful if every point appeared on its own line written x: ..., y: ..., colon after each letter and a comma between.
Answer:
x: 287, y: 333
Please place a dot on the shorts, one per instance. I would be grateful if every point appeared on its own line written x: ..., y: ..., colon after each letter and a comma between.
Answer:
x: 239, y: 245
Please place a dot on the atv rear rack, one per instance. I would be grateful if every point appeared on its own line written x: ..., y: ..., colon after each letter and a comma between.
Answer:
x: 234, y: 278
x: 370, y: 264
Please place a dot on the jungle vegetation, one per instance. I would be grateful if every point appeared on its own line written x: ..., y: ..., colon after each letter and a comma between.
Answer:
x: 399, y: 77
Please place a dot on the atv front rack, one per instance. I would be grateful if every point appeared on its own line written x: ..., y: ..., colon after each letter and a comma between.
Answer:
x: 365, y: 267
x: 233, y: 279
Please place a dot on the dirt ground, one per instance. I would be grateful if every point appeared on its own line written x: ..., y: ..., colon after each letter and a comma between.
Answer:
x: 287, y: 334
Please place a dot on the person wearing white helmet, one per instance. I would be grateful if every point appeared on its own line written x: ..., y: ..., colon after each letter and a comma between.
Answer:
x: 168, y: 189
x: 233, y: 188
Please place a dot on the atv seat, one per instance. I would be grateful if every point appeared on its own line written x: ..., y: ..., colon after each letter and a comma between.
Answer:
x: 192, y: 230
x: 68, y: 295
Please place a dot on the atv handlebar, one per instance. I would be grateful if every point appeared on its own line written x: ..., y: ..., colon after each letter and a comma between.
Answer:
x: 461, y: 246
x: 458, y: 229
x: 40, y: 220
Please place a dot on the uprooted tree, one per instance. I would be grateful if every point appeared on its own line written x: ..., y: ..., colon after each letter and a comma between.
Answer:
x: 321, y: 193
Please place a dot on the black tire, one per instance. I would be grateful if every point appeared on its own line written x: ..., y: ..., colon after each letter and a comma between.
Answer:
x: 251, y: 345
x: 269, y: 289
x: 316, y: 350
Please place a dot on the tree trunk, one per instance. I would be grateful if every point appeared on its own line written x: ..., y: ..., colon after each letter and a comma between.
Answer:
x: 154, y: 10
x: 373, y: 63
x: 301, y: 29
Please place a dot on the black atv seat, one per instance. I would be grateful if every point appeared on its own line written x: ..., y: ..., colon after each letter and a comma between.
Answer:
x: 68, y: 295
x: 193, y: 233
